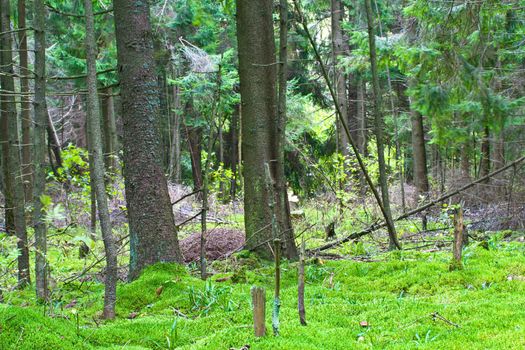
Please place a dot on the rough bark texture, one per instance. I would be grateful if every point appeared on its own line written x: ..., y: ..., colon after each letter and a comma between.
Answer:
x: 257, y: 72
x: 13, y: 170
x: 93, y: 119
x: 378, y: 127
x: 339, y: 76
x: 25, y: 111
x: 39, y: 150
x: 153, y: 235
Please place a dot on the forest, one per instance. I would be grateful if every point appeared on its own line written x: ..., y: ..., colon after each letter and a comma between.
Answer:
x: 270, y: 174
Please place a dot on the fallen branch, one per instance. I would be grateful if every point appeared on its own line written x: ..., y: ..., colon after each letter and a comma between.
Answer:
x: 436, y: 316
x: 446, y: 196
x: 186, y: 196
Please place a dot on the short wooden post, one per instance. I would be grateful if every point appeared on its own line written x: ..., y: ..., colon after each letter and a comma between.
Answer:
x: 458, y: 240
x: 277, y: 295
x: 259, y: 310
x: 300, y: 287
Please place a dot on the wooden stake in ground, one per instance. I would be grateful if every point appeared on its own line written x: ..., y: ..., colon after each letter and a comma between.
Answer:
x: 277, y: 252
x: 300, y: 287
x: 276, y: 299
x: 458, y: 240
x: 259, y: 310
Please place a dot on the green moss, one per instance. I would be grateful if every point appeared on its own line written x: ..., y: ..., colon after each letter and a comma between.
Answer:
x: 396, y: 296
x: 24, y: 328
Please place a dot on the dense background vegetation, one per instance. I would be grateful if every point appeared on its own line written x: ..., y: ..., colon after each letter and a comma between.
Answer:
x: 213, y: 134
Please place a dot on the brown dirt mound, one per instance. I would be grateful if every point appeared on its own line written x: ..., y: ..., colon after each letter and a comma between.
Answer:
x: 220, y: 243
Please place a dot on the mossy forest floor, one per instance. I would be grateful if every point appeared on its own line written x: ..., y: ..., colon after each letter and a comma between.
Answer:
x: 395, y: 293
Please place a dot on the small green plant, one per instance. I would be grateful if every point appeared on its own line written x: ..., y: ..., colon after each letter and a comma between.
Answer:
x: 173, y: 336
x: 204, y: 300
x: 316, y: 273
x: 427, y: 338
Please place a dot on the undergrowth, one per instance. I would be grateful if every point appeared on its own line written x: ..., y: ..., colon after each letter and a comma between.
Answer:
x: 398, y: 294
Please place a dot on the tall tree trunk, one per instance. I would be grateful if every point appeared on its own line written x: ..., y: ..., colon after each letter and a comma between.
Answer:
x: 362, y: 138
x: 25, y: 110
x: 93, y: 119
x: 111, y: 148
x: 194, y: 135
x: 465, y: 160
x: 419, y: 153
x: 339, y: 76
x: 484, y: 166
x: 234, y: 130
x: 378, y: 127
x: 257, y: 72
x: 153, y: 235
x: 175, y: 169
x: 39, y: 150
x: 13, y: 167
x: 282, y: 207
x: 54, y: 142
x: 499, y: 149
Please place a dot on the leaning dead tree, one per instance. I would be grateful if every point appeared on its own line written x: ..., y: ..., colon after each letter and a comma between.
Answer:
x: 389, y: 223
x: 424, y: 207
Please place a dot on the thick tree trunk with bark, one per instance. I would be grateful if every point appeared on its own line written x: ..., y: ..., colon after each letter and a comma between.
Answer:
x: 93, y: 119
x: 39, y: 150
x: 153, y: 235
x: 378, y: 127
x: 257, y: 72
x: 13, y: 170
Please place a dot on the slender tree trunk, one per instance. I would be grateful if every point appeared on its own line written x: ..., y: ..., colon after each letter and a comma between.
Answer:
x: 484, y: 166
x: 111, y: 148
x: 175, y: 170
x: 39, y: 151
x: 25, y: 111
x: 93, y: 118
x: 419, y: 153
x: 282, y: 207
x: 378, y: 121
x: 92, y: 192
x: 465, y: 161
x: 339, y: 76
x: 257, y: 72
x: 361, y: 116
x: 499, y: 149
x: 14, y: 171
x: 54, y: 142
x: 194, y: 136
x: 153, y: 235
x: 234, y: 129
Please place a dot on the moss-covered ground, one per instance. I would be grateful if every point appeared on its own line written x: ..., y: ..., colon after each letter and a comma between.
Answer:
x: 396, y: 294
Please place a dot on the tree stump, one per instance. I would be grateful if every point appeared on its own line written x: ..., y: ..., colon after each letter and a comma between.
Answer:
x: 259, y: 310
